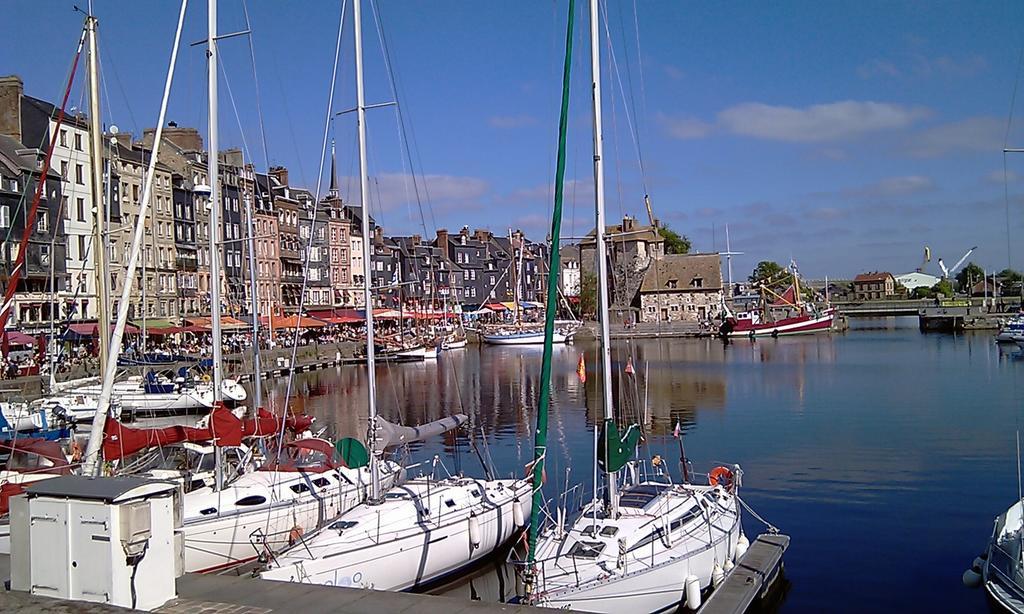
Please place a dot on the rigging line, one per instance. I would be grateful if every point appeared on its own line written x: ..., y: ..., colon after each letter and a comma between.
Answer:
x: 312, y: 222
x: 639, y: 64
x: 629, y: 69
x: 256, y: 84
x: 120, y: 86
x: 404, y: 137
x: 1006, y: 145
x: 629, y: 118
x: 238, y: 118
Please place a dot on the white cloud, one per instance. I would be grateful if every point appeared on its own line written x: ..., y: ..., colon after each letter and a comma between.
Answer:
x: 511, y: 121
x: 981, y: 133
x: 893, y: 186
x: 389, y: 191
x: 817, y: 123
x: 684, y: 128
x: 921, y: 65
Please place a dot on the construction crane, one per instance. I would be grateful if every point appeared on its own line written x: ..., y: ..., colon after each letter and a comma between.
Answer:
x: 927, y: 258
x: 951, y: 270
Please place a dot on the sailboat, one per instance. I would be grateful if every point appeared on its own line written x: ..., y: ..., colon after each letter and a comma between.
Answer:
x: 637, y: 547
x: 424, y: 529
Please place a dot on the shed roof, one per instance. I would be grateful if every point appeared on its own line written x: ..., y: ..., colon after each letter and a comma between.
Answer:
x: 683, y: 269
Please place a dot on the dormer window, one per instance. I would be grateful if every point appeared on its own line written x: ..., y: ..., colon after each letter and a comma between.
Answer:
x: 697, y: 282
x: 672, y: 284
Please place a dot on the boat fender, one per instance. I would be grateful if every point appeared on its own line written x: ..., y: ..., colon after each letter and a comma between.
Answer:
x: 728, y: 565
x: 517, y: 513
x: 474, y: 531
x: 692, y: 585
x: 742, y: 545
x: 717, y: 575
x: 972, y: 579
x: 775, y: 334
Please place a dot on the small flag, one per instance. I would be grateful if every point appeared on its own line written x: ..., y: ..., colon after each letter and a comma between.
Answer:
x: 679, y: 430
x: 629, y: 366
x: 581, y: 370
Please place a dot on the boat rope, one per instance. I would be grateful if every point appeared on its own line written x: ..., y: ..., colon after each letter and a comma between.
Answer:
x: 771, y: 528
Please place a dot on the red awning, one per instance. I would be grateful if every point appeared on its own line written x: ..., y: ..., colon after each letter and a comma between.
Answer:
x: 293, y: 321
x: 18, y: 338
x: 89, y: 329
x: 496, y: 307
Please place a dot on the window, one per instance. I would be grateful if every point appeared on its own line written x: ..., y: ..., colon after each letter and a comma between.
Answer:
x: 63, y: 137
x: 672, y: 283
x: 64, y: 206
x: 5, y: 216
x: 79, y: 174
x: 63, y: 170
x: 697, y: 282
x: 42, y: 224
x: 586, y: 550
x: 81, y: 247
x: 44, y: 255
x: 78, y: 141
x: 80, y: 204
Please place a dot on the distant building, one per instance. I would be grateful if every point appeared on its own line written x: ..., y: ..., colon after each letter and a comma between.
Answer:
x: 681, y: 288
x: 916, y: 280
x: 874, y: 286
x: 631, y: 247
x: 570, y: 280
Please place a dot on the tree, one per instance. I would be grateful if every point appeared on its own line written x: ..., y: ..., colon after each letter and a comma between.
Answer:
x: 922, y: 292
x: 968, y: 276
x: 943, y: 287
x: 675, y: 243
x: 764, y: 270
x: 588, y: 295
x: 1008, y: 275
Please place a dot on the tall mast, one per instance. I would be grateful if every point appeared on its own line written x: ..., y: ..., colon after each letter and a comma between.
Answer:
x: 96, y: 154
x: 364, y: 193
x: 254, y: 305
x: 602, y: 262
x: 211, y: 75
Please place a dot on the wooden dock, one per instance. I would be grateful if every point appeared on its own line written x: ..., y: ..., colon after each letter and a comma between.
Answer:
x: 753, y: 576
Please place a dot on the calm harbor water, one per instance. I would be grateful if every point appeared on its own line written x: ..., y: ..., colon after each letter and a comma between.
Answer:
x: 883, y: 452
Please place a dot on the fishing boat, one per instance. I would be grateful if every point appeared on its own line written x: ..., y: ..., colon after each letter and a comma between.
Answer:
x: 511, y: 336
x: 644, y: 538
x: 779, y: 314
x: 424, y: 529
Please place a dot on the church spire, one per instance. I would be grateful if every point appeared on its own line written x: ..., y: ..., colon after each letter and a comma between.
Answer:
x: 333, y: 192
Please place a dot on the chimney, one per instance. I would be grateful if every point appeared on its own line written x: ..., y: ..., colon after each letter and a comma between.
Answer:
x: 11, y: 90
x: 442, y: 240
x: 280, y: 173
x: 416, y: 240
x: 482, y: 235
x: 627, y: 224
x: 465, y: 231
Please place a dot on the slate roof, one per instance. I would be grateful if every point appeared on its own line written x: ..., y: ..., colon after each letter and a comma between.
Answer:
x: 683, y: 269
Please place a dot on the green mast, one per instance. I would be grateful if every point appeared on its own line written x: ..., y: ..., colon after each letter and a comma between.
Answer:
x: 541, y: 437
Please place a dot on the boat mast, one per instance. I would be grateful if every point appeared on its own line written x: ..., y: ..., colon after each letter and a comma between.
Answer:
x: 611, y: 500
x: 254, y: 306
x: 96, y: 153
x: 214, y: 171
x: 364, y: 192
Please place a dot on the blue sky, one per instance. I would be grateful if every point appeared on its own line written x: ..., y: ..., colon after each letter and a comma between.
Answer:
x: 845, y: 135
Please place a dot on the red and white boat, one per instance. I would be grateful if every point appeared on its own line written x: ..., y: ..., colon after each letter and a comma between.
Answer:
x: 787, y: 314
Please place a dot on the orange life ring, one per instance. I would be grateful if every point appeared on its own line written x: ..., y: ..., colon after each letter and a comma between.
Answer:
x: 721, y: 475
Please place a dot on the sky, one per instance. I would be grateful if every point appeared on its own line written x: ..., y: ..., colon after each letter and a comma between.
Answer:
x: 844, y: 136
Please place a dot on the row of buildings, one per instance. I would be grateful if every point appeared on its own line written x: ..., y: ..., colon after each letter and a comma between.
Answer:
x: 303, y: 250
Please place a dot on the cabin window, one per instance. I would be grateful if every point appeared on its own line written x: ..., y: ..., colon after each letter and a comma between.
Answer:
x: 449, y: 502
x: 586, y: 550
x: 321, y: 482
x: 299, y: 488
x: 609, y: 531
x: 475, y: 493
x: 208, y: 511
x: 343, y: 525
x: 251, y: 500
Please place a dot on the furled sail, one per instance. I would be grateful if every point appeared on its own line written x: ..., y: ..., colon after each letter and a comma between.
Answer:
x: 393, y: 435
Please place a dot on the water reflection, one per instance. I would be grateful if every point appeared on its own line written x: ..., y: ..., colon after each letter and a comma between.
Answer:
x: 881, y: 448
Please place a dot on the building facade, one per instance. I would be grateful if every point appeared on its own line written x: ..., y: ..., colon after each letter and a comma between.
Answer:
x: 681, y: 288
x: 874, y: 286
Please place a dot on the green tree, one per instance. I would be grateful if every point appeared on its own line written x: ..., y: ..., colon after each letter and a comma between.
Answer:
x: 588, y: 295
x: 943, y: 287
x: 922, y: 292
x: 1008, y: 275
x: 968, y: 276
x: 675, y: 243
x: 764, y: 270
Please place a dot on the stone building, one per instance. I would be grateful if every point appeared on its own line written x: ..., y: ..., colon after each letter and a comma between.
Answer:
x: 33, y: 308
x: 32, y: 122
x: 631, y: 247
x: 268, y: 245
x: 287, y: 209
x: 681, y: 288
x: 339, y: 233
x: 874, y: 286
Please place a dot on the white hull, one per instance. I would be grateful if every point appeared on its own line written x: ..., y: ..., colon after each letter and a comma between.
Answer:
x: 454, y: 345
x: 393, y: 546
x: 235, y: 534
x: 527, y: 338
x: 650, y: 575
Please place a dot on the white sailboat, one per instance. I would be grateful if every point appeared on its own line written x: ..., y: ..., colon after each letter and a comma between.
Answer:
x: 424, y: 529
x: 648, y: 539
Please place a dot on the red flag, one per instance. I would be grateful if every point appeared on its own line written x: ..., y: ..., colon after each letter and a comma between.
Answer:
x: 629, y: 366
x: 581, y: 370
